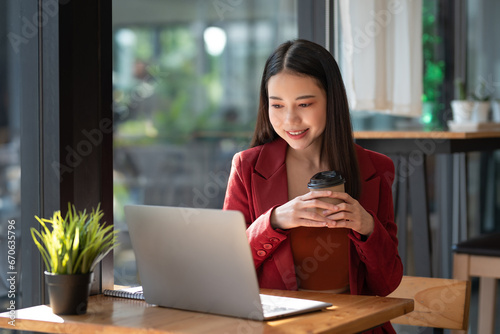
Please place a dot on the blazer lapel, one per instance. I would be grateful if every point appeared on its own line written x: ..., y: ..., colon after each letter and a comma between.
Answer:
x: 370, y: 184
x: 269, y: 179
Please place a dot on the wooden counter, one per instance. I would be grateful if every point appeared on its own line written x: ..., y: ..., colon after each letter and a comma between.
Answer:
x: 349, y: 314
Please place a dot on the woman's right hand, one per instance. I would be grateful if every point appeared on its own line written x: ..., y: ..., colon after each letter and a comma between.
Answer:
x: 301, y: 211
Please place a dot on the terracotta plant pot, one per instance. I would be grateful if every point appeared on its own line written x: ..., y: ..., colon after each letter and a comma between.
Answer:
x: 69, y: 294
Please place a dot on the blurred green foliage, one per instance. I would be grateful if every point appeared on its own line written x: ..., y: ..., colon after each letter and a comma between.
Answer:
x: 186, y: 89
x: 434, y: 66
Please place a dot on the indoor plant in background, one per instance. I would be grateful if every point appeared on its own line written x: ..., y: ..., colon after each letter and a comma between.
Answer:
x: 71, y: 247
x: 461, y: 107
x: 481, y: 110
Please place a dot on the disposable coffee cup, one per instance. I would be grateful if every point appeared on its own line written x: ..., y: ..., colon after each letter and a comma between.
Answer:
x: 327, y: 180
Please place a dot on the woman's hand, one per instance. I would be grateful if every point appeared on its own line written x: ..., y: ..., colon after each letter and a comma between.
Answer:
x: 349, y: 214
x: 300, y: 211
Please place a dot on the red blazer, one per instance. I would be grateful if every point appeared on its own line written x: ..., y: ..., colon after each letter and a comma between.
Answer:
x: 258, y: 183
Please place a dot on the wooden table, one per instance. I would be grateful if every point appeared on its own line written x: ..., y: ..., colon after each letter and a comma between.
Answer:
x: 408, y: 151
x: 349, y: 314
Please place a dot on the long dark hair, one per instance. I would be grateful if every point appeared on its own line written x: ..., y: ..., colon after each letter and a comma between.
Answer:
x: 310, y: 59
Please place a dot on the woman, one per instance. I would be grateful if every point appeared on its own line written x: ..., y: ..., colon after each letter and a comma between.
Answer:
x: 303, y: 127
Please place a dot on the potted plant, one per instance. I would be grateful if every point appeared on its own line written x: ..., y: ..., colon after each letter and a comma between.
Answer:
x: 71, y: 247
x: 481, y: 108
x: 461, y: 107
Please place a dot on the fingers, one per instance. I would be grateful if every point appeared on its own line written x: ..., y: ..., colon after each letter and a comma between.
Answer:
x: 358, y: 220
x: 309, y: 210
x: 316, y: 194
x: 343, y: 215
x: 316, y: 199
x: 313, y: 200
x: 297, y: 212
x: 313, y: 223
x: 338, y: 223
x: 342, y: 196
x: 311, y: 218
x: 341, y: 219
x: 345, y: 197
x: 348, y: 213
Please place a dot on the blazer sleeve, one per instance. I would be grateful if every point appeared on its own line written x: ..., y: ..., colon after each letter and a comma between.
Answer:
x: 379, y: 252
x: 263, y: 239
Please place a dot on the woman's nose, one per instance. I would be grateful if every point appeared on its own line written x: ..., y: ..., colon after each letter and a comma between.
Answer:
x: 292, y: 116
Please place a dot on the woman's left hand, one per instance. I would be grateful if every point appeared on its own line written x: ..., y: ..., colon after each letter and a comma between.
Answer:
x: 349, y: 214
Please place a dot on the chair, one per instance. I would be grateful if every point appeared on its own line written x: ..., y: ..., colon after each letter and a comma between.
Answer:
x: 480, y: 257
x: 439, y: 302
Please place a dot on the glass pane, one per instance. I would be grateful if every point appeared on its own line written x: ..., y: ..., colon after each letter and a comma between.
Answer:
x: 483, y: 87
x: 186, y: 86
x: 483, y: 57
x: 433, y: 79
x: 10, y: 169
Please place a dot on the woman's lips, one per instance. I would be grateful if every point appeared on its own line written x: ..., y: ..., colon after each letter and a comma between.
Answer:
x: 297, y: 134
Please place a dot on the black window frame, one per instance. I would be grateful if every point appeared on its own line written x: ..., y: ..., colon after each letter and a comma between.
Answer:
x: 66, y: 125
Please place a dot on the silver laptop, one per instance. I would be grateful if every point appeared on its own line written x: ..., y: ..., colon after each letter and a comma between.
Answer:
x: 200, y: 260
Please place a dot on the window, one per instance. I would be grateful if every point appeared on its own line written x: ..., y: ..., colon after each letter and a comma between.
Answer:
x: 186, y: 79
x: 436, y: 50
x: 483, y: 82
x: 483, y: 61
x: 10, y: 166
x: 44, y: 111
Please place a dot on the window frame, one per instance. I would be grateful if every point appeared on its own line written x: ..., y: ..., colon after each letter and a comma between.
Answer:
x: 30, y: 288
x: 67, y: 94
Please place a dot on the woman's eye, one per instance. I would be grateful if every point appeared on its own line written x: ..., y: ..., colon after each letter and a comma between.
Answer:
x: 303, y: 105
x: 276, y: 106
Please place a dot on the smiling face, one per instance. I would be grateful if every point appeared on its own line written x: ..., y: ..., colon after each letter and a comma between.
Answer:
x: 297, y: 109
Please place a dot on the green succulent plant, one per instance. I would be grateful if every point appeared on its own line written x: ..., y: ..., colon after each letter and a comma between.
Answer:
x: 481, y: 93
x: 460, y: 93
x: 74, y: 244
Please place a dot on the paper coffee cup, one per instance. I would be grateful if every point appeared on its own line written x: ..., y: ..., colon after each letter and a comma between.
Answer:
x: 327, y: 180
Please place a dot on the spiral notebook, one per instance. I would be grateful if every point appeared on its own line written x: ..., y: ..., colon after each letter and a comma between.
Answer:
x: 134, y: 292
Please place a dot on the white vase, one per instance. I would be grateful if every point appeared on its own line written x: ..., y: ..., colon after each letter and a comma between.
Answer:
x: 462, y: 110
x: 481, y: 111
x: 495, y: 110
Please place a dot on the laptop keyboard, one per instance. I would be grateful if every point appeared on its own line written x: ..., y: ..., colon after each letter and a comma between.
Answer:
x: 271, y: 308
x: 275, y: 306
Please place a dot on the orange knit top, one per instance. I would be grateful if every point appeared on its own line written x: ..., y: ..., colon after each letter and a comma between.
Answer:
x: 321, y: 257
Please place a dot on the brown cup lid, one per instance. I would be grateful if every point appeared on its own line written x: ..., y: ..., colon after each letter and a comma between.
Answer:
x: 325, y: 179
